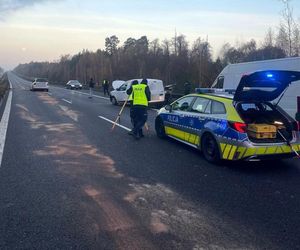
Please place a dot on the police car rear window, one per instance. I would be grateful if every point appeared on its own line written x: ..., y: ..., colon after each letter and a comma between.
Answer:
x: 218, y: 108
x: 200, y: 105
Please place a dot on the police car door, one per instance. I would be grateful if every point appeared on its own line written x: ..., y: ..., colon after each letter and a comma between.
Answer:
x: 210, y: 115
x: 177, y: 118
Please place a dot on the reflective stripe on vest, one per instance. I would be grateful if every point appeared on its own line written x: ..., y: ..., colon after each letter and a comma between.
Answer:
x: 139, y: 95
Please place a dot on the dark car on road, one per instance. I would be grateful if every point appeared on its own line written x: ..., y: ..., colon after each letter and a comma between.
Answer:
x: 73, y: 84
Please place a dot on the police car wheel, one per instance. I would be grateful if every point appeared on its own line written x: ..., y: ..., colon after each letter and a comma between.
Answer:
x: 160, y: 128
x: 210, y: 148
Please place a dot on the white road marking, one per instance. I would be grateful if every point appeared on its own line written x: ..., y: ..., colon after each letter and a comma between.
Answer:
x: 67, y: 101
x: 112, y: 122
x: 97, y: 96
x: 4, y: 123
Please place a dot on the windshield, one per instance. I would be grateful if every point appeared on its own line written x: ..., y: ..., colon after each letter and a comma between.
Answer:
x: 41, y: 80
x: 75, y: 82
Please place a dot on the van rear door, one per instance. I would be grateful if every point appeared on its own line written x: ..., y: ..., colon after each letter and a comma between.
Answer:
x: 157, y: 90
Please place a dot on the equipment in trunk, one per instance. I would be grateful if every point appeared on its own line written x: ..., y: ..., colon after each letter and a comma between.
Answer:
x: 262, y: 131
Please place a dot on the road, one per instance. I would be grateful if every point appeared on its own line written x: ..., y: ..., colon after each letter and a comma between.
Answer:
x: 68, y: 182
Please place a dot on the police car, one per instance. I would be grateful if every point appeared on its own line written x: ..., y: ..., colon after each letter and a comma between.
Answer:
x: 219, y: 123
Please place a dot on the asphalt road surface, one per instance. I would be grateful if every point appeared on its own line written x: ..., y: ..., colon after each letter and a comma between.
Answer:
x: 68, y: 182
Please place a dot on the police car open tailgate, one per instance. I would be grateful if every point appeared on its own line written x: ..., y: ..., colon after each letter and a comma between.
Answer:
x: 264, y: 86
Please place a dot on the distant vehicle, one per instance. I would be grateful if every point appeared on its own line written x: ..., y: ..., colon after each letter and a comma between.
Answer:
x: 246, y: 126
x: 118, y: 95
x: 40, y: 84
x: 230, y: 77
x: 73, y: 84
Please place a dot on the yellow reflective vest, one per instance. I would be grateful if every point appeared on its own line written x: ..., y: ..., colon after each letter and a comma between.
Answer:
x: 139, y: 95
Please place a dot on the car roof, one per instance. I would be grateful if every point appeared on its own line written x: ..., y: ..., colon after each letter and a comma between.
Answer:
x: 225, y: 98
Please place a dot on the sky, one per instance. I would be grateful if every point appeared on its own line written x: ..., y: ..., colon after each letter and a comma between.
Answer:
x: 43, y: 30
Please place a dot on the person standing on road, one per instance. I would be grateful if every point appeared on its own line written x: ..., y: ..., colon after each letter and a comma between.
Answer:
x: 91, y: 85
x: 187, y: 88
x: 141, y: 95
x: 105, y: 87
x: 130, y: 101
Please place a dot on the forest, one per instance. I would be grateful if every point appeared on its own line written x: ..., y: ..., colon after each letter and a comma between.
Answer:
x: 175, y: 61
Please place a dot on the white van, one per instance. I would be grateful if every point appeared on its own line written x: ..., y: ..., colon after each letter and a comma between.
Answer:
x: 231, y: 75
x: 118, y: 95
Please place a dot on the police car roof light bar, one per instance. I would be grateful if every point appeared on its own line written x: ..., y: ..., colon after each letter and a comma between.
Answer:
x: 204, y: 90
x: 214, y: 91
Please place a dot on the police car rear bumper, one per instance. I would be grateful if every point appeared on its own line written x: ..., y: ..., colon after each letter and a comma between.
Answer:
x: 247, y: 151
x: 270, y: 157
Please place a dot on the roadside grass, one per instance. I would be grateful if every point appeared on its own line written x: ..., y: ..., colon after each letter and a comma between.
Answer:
x: 4, y: 86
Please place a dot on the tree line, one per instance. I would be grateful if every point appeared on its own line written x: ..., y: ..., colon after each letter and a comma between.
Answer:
x: 174, y: 60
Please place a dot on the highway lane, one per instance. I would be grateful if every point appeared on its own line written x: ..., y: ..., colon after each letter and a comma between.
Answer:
x: 67, y: 181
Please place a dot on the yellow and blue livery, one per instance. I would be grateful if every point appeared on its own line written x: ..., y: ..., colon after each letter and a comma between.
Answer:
x: 216, y: 122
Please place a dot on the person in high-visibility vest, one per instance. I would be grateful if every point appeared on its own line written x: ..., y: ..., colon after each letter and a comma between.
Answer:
x: 141, y: 95
x: 134, y: 82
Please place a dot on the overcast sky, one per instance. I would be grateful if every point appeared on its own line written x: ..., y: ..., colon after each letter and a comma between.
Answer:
x: 41, y: 30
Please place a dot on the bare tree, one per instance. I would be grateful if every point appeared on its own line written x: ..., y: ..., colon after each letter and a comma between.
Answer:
x: 201, y: 55
x: 282, y: 39
x: 296, y: 41
x: 269, y: 38
x: 288, y: 23
x: 111, y: 44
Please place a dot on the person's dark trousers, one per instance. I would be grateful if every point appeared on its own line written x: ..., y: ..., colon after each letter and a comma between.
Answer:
x: 139, y: 119
x: 132, y: 119
x: 106, y: 90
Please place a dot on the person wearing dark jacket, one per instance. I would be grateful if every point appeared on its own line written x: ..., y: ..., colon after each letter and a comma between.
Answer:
x: 130, y: 101
x: 140, y: 95
x: 91, y: 85
x: 106, y: 87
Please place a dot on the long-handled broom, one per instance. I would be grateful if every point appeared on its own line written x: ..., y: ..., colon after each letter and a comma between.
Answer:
x: 119, y: 115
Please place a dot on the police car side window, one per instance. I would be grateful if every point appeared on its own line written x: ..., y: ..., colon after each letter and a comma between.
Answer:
x: 218, y: 108
x: 183, y: 104
x: 201, y: 105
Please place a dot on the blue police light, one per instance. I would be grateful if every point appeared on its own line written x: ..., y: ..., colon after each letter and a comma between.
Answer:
x: 270, y: 75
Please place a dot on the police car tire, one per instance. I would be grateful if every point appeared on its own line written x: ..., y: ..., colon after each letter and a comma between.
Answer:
x: 159, y: 128
x: 208, y: 138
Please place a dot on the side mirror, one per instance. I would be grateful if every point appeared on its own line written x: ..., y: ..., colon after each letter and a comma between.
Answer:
x: 168, y: 107
x: 297, y: 117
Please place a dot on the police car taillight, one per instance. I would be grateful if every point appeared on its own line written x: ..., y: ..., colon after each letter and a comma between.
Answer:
x: 296, y: 126
x: 238, y: 126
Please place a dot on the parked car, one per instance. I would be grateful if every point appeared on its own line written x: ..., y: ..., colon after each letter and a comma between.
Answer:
x: 40, y: 84
x: 243, y: 126
x: 73, y: 84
